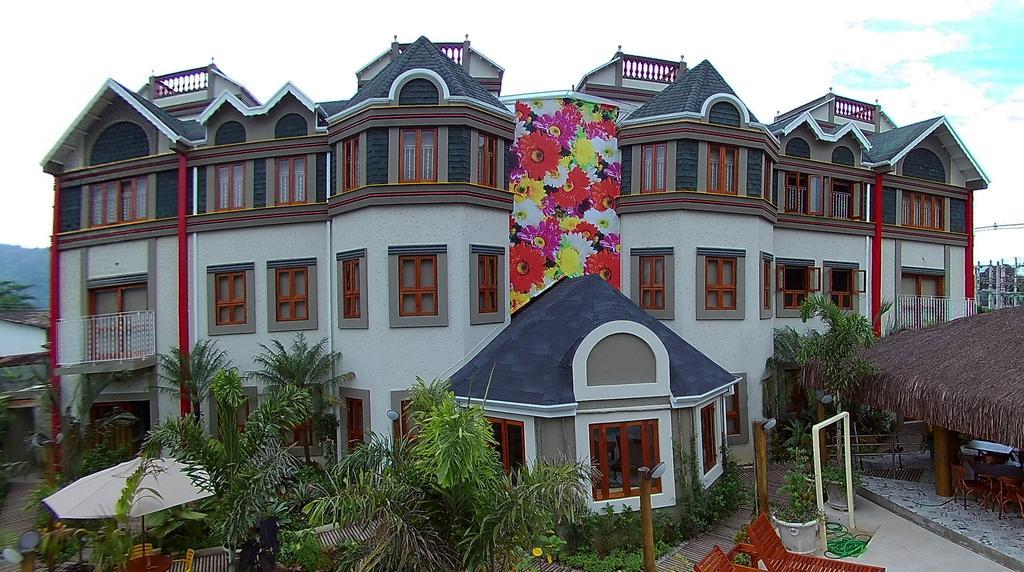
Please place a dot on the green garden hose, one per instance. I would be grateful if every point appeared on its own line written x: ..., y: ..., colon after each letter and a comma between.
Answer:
x: 842, y: 544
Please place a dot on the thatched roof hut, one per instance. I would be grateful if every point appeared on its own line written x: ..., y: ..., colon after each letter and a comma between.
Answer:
x: 966, y: 375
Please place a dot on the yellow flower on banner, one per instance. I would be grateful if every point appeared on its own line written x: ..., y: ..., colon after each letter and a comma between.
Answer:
x: 583, y: 152
x: 569, y: 223
x: 518, y: 299
x: 569, y: 261
x: 531, y: 189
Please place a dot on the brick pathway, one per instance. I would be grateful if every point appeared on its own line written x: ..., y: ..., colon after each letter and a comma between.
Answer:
x: 14, y: 518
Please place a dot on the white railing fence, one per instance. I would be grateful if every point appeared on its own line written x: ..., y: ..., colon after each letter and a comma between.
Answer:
x: 107, y: 337
x: 911, y: 312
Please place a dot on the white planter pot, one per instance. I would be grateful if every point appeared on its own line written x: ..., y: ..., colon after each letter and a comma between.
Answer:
x: 801, y: 538
x: 837, y: 496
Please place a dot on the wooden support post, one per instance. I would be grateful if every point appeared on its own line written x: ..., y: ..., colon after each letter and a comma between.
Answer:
x: 943, y: 479
x: 761, y: 466
x: 647, y: 521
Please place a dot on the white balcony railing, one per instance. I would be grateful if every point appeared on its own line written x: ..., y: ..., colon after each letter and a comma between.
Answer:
x: 107, y: 337
x: 840, y: 205
x: 911, y: 312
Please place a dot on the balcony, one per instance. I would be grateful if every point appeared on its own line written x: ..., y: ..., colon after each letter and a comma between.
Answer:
x: 912, y: 312
x: 106, y: 342
x: 852, y: 109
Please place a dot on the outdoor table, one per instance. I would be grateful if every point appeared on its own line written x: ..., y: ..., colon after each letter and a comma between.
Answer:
x: 156, y: 563
x: 998, y: 470
x: 989, y: 446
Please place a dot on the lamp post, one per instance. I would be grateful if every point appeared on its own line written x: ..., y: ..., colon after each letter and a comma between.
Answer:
x: 646, y: 513
x: 761, y: 429
x: 396, y: 431
x: 823, y: 400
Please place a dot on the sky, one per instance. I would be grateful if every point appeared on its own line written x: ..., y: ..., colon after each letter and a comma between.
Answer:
x: 963, y: 59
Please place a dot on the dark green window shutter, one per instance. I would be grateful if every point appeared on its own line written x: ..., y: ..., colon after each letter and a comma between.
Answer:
x: 686, y: 164
x: 259, y: 183
x: 755, y: 172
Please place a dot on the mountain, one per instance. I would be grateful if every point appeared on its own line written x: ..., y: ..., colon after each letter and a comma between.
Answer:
x: 29, y: 266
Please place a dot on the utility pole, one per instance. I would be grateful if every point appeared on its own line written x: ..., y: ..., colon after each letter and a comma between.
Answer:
x: 761, y: 429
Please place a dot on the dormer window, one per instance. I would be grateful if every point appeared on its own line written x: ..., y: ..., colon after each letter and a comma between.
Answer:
x: 119, y: 201
x: 419, y: 155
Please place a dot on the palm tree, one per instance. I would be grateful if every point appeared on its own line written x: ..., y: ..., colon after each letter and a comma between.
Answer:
x: 242, y: 466
x: 308, y: 367
x: 441, y: 500
x: 193, y: 372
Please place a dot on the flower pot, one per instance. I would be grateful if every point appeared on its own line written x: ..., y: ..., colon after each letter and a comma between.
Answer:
x: 837, y: 496
x: 801, y: 538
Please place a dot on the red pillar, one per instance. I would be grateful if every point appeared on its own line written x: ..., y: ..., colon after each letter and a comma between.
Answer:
x: 876, y: 253
x: 183, y: 341
x: 969, y: 252
x: 55, y: 424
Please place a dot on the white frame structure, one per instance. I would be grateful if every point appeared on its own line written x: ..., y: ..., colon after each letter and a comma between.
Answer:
x: 843, y: 416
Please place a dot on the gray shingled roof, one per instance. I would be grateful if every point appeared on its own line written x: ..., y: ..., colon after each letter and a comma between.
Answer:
x: 886, y: 145
x: 532, y: 357
x: 28, y: 316
x: 332, y: 107
x: 189, y: 129
x: 424, y: 54
x: 687, y: 94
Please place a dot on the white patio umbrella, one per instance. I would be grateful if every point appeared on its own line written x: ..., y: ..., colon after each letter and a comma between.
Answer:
x: 166, y: 484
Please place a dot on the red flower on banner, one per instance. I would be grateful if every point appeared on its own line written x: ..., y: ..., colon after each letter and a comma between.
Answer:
x: 523, y: 111
x: 606, y: 265
x: 539, y: 154
x: 605, y: 192
x: 586, y: 229
x: 575, y: 189
x: 527, y: 267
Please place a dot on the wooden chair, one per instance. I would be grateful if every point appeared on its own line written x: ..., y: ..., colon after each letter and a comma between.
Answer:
x: 190, y: 556
x: 719, y: 561
x: 141, y: 551
x: 965, y: 486
x: 775, y: 556
x: 1010, y: 491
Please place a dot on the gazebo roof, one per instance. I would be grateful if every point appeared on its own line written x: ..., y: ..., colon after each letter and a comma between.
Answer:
x: 966, y: 375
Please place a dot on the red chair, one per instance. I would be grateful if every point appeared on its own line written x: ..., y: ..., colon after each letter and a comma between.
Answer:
x: 966, y: 486
x: 773, y: 553
x: 719, y: 561
x: 1010, y: 491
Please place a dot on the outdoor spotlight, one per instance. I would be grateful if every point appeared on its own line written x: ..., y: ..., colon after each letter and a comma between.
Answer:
x: 770, y: 424
x: 392, y: 415
x: 657, y: 471
x: 29, y: 541
x: 13, y: 556
x: 826, y: 399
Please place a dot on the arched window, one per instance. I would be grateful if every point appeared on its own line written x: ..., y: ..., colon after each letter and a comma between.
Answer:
x: 724, y: 113
x: 842, y: 155
x: 924, y: 164
x: 797, y: 147
x: 291, y: 125
x: 120, y: 141
x: 231, y: 132
x: 419, y: 91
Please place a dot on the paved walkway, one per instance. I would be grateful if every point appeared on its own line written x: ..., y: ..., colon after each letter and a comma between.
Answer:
x: 13, y: 517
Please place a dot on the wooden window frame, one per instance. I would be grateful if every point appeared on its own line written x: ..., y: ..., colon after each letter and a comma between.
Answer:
x: 116, y: 190
x: 231, y: 205
x: 920, y: 278
x: 832, y: 183
x: 812, y: 278
x: 233, y: 304
x: 599, y: 458
x: 769, y: 178
x: 417, y: 290
x: 120, y: 289
x: 652, y: 186
x: 654, y: 287
x: 292, y: 181
x: 820, y: 209
x: 794, y: 180
x: 487, y: 160
x: 708, y: 437
x: 418, y: 155
x: 506, y: 455
x: 720, y: 288
x: 721, y: 150
x: 350, y: 154
x: 292, y: 300
x: 913, y: 208
x: 487, y: 283
x: 766, y: 284
x: 845, y: 298
x: 351, y: 295
x: 734, y: 414
x: 404, y: 420
x: 354, y: 422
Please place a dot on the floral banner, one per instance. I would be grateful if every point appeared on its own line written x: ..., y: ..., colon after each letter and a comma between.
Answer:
x: 566, y: 176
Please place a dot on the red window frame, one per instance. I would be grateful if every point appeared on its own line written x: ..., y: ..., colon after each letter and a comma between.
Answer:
x: 234, y: 201
x: 93, y: 292
x: 500, y: 427
x: 117, y: 202
x: 487, y: 283
x: 291, y: 300
x: 769, y: 178
x: 732, y: 414
x: 295, y: 166
x: 405, y: 420
x: 718, y: 169
x: 417, y: 289
x: 653, y: 174
x: 350, y: 153
x: 354, y: 422
x: 766, y: 284
x: 653, y: 269
x: 844, y: 298
x: 708, y: 438
x: 351, y: 295
x: 418, y: 176
x: 487, y: 160
x: 235, y: 307
x: 793, y: 297
x: 912, y: 213
x: 720, y: 287
x: 302, y: 433
x: 838, y: 187
x: 599, y: 457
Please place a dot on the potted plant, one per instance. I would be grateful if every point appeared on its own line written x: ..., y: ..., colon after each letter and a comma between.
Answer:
x: 834, y: 478
x: 798, y: 519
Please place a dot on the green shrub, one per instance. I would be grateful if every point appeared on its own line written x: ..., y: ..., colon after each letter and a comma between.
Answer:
x: 703, y: 508
x: 618, y: 560
x: 303, y: 551
x: 102, y: 456
x: 604, y: 532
